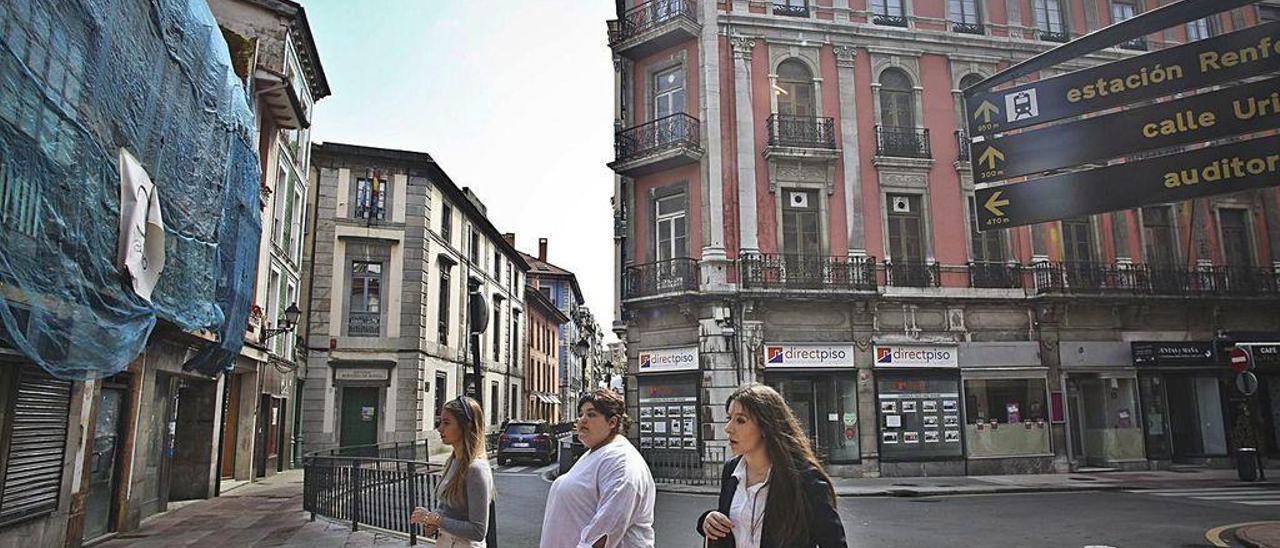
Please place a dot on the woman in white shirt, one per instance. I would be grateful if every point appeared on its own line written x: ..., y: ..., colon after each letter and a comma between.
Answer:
x: 774, y: 494
x: 462, y: 514
x: 606, y: 499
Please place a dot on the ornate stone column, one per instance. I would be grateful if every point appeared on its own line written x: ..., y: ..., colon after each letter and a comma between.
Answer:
x: 845, y: 57
x: 745, y: 116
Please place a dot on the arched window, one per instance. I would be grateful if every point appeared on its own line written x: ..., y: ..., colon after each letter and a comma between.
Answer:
x: 897, y: 100
x: 969, y: 80
x: 795, y: 89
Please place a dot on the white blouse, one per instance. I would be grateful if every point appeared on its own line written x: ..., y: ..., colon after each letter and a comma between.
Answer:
x: 747, y: 509
x: 609, y: 491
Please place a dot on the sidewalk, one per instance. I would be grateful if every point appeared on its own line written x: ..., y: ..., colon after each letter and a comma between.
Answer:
x: 1028, y: 483
x: 264, y: 513
x: 1264, y: 535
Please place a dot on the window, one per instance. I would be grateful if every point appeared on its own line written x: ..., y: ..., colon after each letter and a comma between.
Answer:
x: 496, y: 326
x: 795, y: 89
x: 513, y: 403
x: 364, y: 318
x: 1203, y: 28
x: 1267, y: 14
x: 19, y: 201
x: 295, y: 232
x: 1235, y: 237
x: 1157, y: 228
x: 1122, y: 11
x: 668, y: 92
x: 1049, y: 20
x: 442, y: 392
x: 887, y: 8
x: 446, y: 223
x: 1077, y: 241
x: 988, y: 246
x: 791, y: 8
x: 801, y: 224
x: 897, y: 100
x: 473, y: 242
x: 371, y: 199
x: 546, y: 292
x: 273, y: 305
x: 278, y: 216
x: 497, y: 265
x: 964, y: 16
x: 493, y: 403
x: 514, y: 338
x: 671, y: 227
x: 442, y: 310
x: 906, y: 234
x: 1006, y: 417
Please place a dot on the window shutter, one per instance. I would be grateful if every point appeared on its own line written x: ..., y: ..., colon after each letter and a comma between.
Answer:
x: 37, y: 442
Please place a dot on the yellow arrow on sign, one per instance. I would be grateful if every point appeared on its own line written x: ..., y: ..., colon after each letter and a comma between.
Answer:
x: 994, y: 203
x: 990, y: 157
x: 985, y: 110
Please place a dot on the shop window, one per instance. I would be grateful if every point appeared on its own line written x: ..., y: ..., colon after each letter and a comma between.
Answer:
x: 1006, y: 417
x: 668, y: 415
x: 919, y: 417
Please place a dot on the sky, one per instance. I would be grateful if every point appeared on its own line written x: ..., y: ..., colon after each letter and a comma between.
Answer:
x: 512, y: 98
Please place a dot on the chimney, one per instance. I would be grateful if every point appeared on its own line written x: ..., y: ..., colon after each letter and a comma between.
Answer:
x: 542, y: 249
x: 510, y: 237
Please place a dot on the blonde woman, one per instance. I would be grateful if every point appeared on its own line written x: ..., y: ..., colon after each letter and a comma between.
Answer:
x: 465, y: 491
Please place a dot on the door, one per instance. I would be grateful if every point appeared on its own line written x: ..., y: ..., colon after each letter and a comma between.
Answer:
x: 99, y: 506
x: 162, y: 421
x: 230, y: 426
x: 261, y: 436
x: 1195, y: 417
x: 799, y: 395
x: 1077, y: 254
x: 802, y: 239
x: 359, y: 416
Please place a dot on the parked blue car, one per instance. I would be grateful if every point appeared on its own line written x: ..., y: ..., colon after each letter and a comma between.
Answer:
x: 532, y: 440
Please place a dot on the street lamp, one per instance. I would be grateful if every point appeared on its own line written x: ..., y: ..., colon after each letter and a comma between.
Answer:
x: 287, y: 324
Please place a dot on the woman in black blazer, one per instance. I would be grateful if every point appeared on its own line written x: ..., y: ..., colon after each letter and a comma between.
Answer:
x: 773, y: 494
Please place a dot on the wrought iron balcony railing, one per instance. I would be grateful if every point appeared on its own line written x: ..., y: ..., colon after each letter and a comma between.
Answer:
x: 1060, y: 37
x: 890, y: 20
x: 658, y: 278
x: 668, y: 132
x: 1085, y: 277
x: 1137, y: 44
x: 962, y: 145
x: 912, y: 274
x: 364, y: 324
x: 649, y: 15
x: 968, y: 28
x: 995, y: 275
x: 801, y: 131
x: 793, y: 271
x: 790, y: 10
x: 907, y: 142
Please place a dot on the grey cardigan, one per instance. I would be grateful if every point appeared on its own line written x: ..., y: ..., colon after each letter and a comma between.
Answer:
x: 468, y: 519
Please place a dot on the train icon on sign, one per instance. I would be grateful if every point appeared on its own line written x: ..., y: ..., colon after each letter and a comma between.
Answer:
x: 1021, y: 105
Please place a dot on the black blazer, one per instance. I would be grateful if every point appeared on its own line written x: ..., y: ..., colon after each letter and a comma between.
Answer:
x: 824, y: 530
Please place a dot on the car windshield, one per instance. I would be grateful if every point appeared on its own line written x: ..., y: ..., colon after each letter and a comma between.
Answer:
x: 522, y: 428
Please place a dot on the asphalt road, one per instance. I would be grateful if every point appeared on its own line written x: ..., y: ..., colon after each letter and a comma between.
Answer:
x: 1098, y: 519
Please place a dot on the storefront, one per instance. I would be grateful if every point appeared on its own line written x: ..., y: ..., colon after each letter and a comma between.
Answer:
x: 360, y: 387
x: 1007, y: 427
x: 918, y: 391
x: 1266, y: 365
x: 820, y: 383
x: 1183, y: 400
x: 668, y: 383
x: 1104, y: 424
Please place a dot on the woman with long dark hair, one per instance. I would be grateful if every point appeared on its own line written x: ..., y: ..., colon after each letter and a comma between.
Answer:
x: 466, y: 489
x: 773, y: 494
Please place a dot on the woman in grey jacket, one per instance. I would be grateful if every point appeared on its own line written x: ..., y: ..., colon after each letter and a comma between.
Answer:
x: 466, y: 489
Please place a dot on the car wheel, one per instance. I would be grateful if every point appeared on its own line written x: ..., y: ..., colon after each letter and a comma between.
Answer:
x: 503, y: 461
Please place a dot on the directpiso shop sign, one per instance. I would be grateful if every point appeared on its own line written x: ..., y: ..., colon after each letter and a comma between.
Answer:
x: 915, y: 356
x: 669, y: 359
x: 785, y: 356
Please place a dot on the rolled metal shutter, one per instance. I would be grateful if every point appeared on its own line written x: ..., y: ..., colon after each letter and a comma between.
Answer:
x: 37, y: 443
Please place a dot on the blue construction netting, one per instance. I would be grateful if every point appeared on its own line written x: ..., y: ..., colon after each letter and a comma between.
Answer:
x: 80, y: 79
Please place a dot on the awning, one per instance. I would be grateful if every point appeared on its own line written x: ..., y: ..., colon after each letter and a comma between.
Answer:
x: 547, y: 398
x: 279, y: 100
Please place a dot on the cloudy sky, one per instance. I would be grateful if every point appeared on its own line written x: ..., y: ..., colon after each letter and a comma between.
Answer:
x: 512, y: 97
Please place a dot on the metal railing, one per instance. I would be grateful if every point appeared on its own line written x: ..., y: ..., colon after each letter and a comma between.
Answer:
x: 789, y: 10
x: 657, y: 278
x: 890, y: 20
x: 378, y: 491
x: 1137, y: 44
x: 1087, y: 277
x: 912, y: 274
x: 794, y: 271
x: 650, y: 15
x: 907, y: 142
x: 364, y: 324
x: 668, y: 132
x: 404, y: 450
x: 1050, y: 36
x: 968, y: 28
x: 686, y: 466
x: 802, y: 131
x: 995, y: 275
x: 962, y: 145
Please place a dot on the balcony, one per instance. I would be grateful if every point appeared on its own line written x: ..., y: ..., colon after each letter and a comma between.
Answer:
x: 660, y: 278
x: 1059, y: 37
x: 912, y: 274
x: 890, y: 20
x: 364, y: 324
x: 1137, y: 44
x: 995, y: 275
x: 962, y: 145
x: 904, y: 142
x: 654, y: 26
x: 1098, y: 278
x: 968, y: 28
x: 802, y: 132
x: 793, y: 271
x: 788, y: 10
x: 664, y: 143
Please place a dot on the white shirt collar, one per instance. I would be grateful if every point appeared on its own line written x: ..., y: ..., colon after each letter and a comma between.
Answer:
x: 740, y: 472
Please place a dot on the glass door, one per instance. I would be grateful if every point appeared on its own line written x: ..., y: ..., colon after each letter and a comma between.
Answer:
x: 102, y: 475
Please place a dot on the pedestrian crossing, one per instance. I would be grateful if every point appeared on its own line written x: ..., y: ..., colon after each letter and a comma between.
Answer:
x: 517, y: 469
x: 1248, y: 496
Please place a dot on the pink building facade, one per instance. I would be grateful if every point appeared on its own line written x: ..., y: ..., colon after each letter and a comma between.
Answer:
x: 794, y: 205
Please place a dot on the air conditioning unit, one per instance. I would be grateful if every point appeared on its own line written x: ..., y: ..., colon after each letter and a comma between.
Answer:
x: 799, y: 199
x: 901, y: 204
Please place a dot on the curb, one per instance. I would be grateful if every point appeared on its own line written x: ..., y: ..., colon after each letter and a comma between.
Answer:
x: 1245, y: 539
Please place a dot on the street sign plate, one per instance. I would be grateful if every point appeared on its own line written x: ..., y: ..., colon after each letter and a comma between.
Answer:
x: 1241, y: 109
x: 1238, y: 358
x: 1226, y: 168
x: 1247, y: 383
x: 1241, y: 54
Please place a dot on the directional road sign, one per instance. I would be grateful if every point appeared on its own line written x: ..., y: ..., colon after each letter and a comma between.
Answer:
x: 1238, y: 110
x: 1241, y: 54
x: 1226, y: 168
